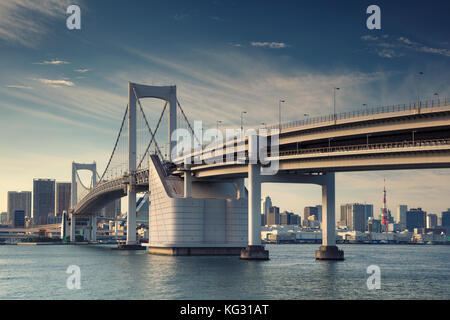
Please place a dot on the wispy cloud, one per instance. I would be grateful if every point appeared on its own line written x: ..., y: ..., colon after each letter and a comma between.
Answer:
x: 18, y: 86
x: 180, y: 16
x: 56, y: 83
x: 53, y: 62
x: 271, y: 45
x: 25, y: 22
x: 82, y: 70
x: 386, y: 47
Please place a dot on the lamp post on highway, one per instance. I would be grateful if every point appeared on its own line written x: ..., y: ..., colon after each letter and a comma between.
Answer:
x: 334, y: 103
x: 279, y: 114
x: 437, y: 94
x: 418, y: 87
x: 242, y: 115
x: 217, y: 129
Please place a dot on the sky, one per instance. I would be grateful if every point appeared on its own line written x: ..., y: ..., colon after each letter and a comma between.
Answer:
x: 63, y: 92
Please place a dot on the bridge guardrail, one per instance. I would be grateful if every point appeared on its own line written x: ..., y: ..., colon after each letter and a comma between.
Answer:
x: 366, y: 112
x: 373, y: 146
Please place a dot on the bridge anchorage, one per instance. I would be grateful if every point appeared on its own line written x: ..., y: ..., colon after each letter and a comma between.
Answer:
x: 199, y: 204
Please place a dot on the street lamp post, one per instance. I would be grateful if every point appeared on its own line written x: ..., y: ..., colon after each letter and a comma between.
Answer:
x: 418, y: 88
x: 334, y: 103
x: 279, y: 114
x: 437, y: 94
x: 242, y: 115
x: 217, y: 129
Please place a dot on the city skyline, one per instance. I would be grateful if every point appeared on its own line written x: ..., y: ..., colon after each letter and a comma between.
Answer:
x: 63, y: 92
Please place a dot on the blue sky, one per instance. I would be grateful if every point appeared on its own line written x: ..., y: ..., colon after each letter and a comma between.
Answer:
x: 63, y: 92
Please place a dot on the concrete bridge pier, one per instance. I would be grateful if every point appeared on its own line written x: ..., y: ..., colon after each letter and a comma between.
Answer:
x: 328, y: 250
x: 72, y: 228
x: 254, y: 250
x: 94, y: 228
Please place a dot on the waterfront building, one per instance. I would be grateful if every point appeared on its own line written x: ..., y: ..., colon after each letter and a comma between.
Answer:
x: 63, y: 196
x: 374, y: 225
x: 415, y: 218
x: 43, y: 200
x: 18, y: 201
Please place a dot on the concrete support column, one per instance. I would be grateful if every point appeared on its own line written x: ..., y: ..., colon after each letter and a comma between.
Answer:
x: 187, y: 182
x: 131, y: 219
x: 328, y: 250
x: 63, y: 225
x: 254, y: 205
x: 254, y: 250
x: 94, y: 229
x: 72, y: 228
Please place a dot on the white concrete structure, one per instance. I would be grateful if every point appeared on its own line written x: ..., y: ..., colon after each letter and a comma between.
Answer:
x: 212, y: 220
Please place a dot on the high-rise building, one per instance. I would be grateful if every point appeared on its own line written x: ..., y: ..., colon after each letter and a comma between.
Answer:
x: 4, y: 218
x: 319, y: 212
x: 19, y: 219
x: 353, y: 215
x: 18, y: 201
x: 368, y: 209
x: 43, y: 200
x: 267, y: 203
x: 445, y: 220
x: 401, y: 215
x: 415, y: 218
x: 273, y: 216
x: 310, y: 211
x: 431, y: 220
x: 63, y: 194
x: 112, y: 209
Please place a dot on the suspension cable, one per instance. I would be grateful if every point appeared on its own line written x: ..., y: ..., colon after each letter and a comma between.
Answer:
x: 115, y: 145
x: 146, y: 122
x: 81, y: 182
x: 187, y: 121
x: 153, y: 135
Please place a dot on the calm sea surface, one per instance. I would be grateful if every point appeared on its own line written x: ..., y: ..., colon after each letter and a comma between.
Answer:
x: 407, y: 272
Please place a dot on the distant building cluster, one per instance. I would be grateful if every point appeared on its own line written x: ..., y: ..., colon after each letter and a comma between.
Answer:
x: 354, y: 218
x: 44, y: 205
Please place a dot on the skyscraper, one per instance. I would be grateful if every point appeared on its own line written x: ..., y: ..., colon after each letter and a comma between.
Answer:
x: 273, y: 216
x: 112, y: 209
x: 353, y: 215
x: 415, y: 218
x: 310, y: 211
x: 43, y: 200
x: 63, y: 194
x: 431, y: 220
x: 445, y: 220
x: 18, y: 201
x: 401, y: 215
x: 368, y: 209
x: 267, y: 203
